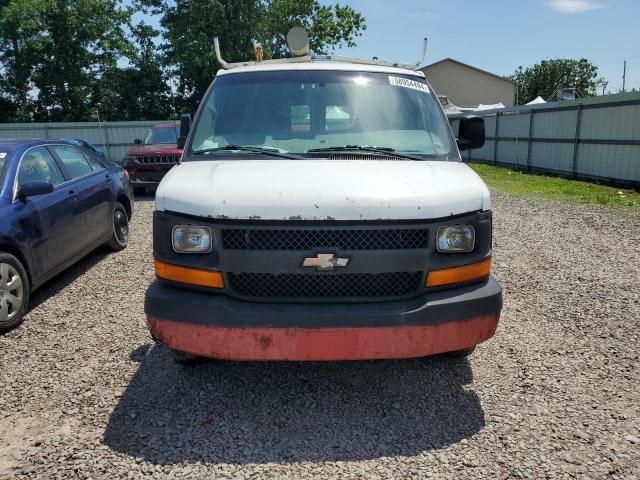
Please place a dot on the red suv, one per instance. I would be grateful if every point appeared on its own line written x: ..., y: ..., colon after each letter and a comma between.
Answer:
x: 152, y: 157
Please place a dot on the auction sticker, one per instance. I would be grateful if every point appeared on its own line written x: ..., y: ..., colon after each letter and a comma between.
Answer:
x: 406, y: 83
x: 3, y: 154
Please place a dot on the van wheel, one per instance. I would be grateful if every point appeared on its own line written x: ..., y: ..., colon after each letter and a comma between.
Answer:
x: 120, y: 228
x: 183, y: 358
x: 14, y: 292
x: 465, y: 352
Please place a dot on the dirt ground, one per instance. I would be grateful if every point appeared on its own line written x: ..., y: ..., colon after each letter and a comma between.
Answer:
x: 84, y: 393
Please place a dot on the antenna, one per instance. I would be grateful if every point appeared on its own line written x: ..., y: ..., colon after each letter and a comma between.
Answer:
x: 104, y: 141
x: 423, y: 54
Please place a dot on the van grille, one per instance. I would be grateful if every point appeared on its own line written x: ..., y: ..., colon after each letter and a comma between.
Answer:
x: 325, y: 285
x: 309, y: 239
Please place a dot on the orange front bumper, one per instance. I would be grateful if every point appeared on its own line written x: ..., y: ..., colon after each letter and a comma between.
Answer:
x: 354, y: 343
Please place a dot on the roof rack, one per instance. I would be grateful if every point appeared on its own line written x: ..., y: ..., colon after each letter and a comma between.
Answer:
x: 322, y: 58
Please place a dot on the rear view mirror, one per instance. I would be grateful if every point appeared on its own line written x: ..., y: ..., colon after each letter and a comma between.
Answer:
x: 33, y: 189
x: 138, y: 141
x: 185, y: 126
x: 470, y: 133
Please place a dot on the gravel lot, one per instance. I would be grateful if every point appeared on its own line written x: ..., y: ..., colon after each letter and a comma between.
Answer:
x: 555, y: 394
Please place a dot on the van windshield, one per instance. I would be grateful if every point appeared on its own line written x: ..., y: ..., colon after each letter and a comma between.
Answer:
x: 301, y: 111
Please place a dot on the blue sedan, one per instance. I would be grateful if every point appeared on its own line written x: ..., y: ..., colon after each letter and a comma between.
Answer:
x: 57, y: 203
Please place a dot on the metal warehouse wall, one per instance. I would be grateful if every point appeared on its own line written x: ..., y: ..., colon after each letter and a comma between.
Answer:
x: 595, y: 138
x: 115, y: 137
x: 468, y: 87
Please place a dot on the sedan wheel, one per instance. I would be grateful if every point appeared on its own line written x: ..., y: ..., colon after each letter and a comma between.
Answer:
x: 14, y: 292
x: 120, y: 236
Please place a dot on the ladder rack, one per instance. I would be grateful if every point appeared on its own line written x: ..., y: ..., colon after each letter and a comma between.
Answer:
x: 322, y: 58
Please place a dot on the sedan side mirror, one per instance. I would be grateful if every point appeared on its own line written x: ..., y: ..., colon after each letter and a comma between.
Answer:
x: 33, y: 189
x: 185, y: 126
x: 138, y: 141
x: 470, y: 133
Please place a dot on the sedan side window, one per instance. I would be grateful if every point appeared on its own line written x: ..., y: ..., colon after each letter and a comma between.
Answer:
x: 95, y: 165
x: 39, y: 165
x: 74, y: 161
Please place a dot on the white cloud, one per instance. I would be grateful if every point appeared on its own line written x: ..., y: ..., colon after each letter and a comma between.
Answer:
x: 573, y: 6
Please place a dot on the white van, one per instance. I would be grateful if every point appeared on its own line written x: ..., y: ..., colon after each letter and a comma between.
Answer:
x: 322, y: 211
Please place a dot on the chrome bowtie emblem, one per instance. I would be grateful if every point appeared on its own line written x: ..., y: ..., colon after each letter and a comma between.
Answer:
x: 325, y: 261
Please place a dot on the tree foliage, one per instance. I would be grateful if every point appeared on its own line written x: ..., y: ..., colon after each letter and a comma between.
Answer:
x: 138, y: 91
x: 545, y: 78
x: 66, y: 60
x: 59, y: 48
x: 191, y: 27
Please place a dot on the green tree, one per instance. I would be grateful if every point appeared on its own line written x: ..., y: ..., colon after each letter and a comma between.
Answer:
x: 54, y: 51
x: 139, y: 90
x: 191, y: 26
x: 545, y: 78
x: 7, y: 109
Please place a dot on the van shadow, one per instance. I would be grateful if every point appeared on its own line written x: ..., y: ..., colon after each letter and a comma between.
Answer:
x: 240, y: 413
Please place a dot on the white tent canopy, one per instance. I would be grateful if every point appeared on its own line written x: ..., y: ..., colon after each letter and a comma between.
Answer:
x: 495, y: 106
x: 536, y: 100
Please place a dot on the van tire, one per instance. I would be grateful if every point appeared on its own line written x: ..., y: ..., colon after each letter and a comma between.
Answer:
x: 464, y: 352
x: 183, y: 358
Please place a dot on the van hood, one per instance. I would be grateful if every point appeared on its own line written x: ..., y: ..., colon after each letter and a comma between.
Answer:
x: 322, y: 190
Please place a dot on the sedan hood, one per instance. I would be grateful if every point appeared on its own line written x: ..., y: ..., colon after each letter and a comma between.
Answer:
x: 322, y: 190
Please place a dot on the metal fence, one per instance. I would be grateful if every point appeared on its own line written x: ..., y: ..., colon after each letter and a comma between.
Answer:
x: 594, y: 139
x: 114, y: 137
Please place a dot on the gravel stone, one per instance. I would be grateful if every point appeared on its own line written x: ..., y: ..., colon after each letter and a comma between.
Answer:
x: 84, y: 392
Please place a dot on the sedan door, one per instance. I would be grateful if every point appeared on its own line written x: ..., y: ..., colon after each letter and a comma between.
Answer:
x: 94, y: 186
x: 53, y: 223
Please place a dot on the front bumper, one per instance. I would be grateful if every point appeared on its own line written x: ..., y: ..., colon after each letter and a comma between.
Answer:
x: 217, y: 326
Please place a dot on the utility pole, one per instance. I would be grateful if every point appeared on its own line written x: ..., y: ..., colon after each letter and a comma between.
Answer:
x: 624, y: 75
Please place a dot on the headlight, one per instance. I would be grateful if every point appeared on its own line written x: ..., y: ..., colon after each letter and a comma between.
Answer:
x: 129, y: 158
x: 456, y: 239
x: 191, y: 239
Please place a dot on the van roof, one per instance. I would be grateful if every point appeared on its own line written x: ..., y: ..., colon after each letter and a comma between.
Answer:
x: 321, y: 65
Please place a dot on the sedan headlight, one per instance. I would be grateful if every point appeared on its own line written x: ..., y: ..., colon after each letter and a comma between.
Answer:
x: 456, y: 239
x: 191, y: 239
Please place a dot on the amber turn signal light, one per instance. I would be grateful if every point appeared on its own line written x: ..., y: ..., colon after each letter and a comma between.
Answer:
x: 191, y: 276
x: 464, y: 273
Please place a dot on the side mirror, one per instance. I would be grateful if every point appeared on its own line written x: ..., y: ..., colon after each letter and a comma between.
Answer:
x: 138, y: 141
x: 470, y: 133
x: 185, y: 126
x: 33, y: 189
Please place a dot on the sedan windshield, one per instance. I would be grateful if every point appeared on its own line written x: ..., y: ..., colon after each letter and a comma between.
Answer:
x: 307, y: 112
x: 161, y: 135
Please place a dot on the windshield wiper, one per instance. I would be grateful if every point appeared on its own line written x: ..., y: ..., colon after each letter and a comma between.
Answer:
x: 391, y: 152
x: 262, y: 150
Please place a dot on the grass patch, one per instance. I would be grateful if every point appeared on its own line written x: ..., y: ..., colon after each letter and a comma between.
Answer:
x: 555, y: 188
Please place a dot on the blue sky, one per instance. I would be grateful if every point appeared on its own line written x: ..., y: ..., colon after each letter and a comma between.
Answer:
x: 500, y: 35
